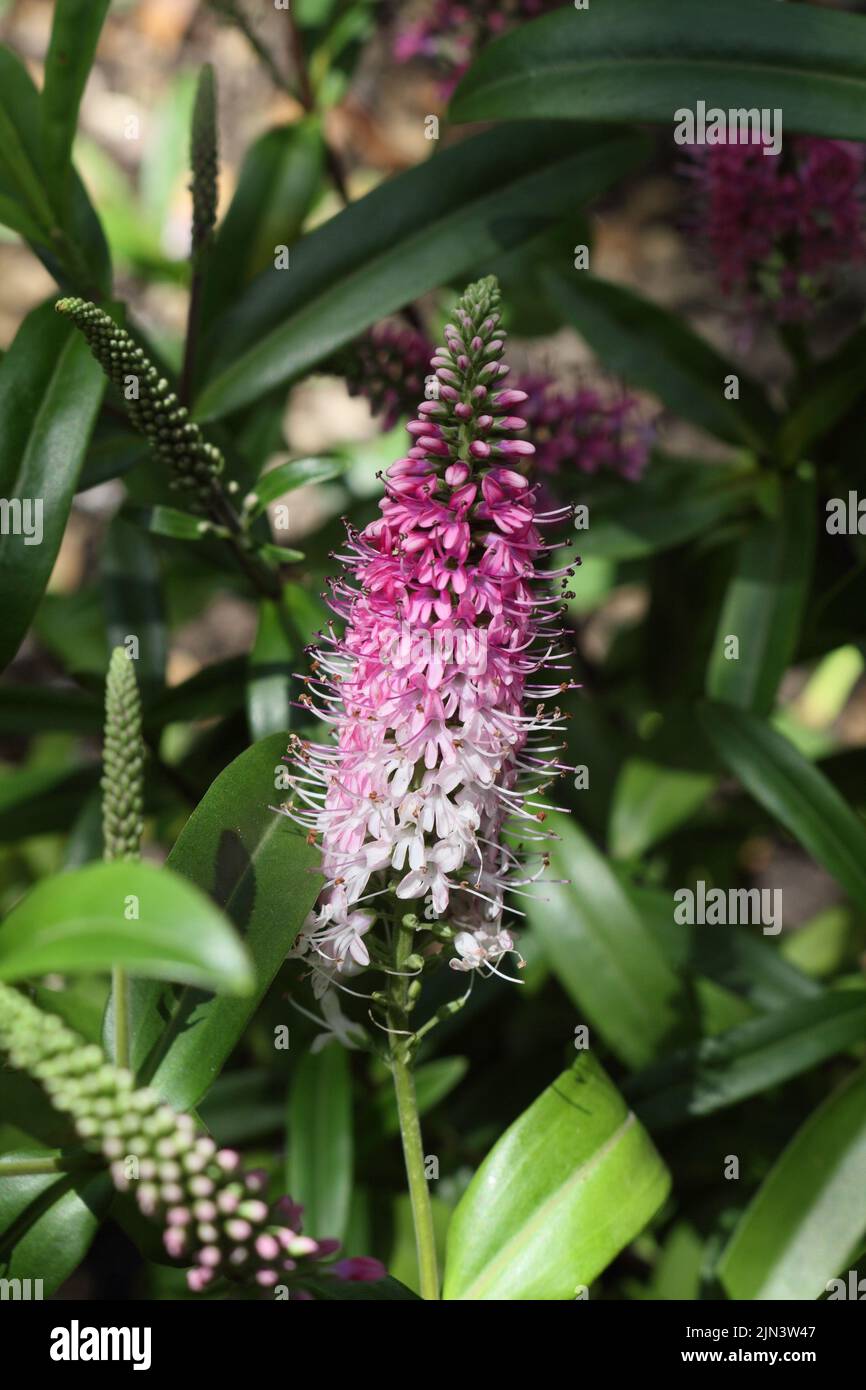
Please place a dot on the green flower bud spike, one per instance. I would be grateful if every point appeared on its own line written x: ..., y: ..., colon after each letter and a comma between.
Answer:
x: 122, y: 761
x: 213, y: 1214
x: 153, y: 407
x: 204, y: 160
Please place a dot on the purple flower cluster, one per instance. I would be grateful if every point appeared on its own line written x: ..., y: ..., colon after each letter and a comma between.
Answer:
x: 776, y: 226
x: 588, y: 429
x: 449, y: 34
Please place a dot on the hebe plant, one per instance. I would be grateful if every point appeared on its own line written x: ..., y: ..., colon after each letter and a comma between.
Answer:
x: 475, y: 832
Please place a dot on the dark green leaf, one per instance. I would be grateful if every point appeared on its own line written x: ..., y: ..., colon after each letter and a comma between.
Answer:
x: 55, y: 1222
x: 50, y: 390
x: 601, y: 951
x: 423, y: 227
x: 793, y: 791
x: 763, y: 606
x: 830, y: 390
x: 279, y: 179
x: 132, y: 588
x: 31, y: 709
x: 676, y: 501
x: 261, y: 872
x: 320, y: 1160
x: 568, y: 1185
x: 343, y: 1290
x: 748, y: 1059
x: 627, y: 61
x: 74, y: 35
x: 650, y: 348
x: 809, y: 1215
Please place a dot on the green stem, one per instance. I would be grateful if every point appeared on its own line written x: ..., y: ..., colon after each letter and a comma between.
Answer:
x: 120, y: 1011
x: 410, y: 1128
x: 33, y: 1167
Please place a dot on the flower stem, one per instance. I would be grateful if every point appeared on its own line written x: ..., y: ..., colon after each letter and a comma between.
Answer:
x: 410, y: 1128
x: 120, y: 1015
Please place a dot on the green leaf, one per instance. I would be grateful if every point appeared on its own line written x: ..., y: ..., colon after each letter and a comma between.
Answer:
x: 568, y: 1185
x: 32, y: 709
x: 825, y: 397
x: 808, y: 1217
x: 261, y: 872
x: 168, y: 521
x: 626, y: 61
x: 320, y: 1162
x: 746, y: 1060
x: 676, y: 501
x: 269, y: 683
x: 422, y: 228
x: 72, y: 246
x: 763, y: 606
x: 288, y: 476
x: 39, y: 801
x: 50, y: 391
x: 650, y: 348
x: 132, y: 589
x: 793, y: 791
x: 74, y: 36
x: 54, y: 1220
x: 279, y: 180
x: 77, y: 922
x: 433, y: 1082
x: 650, y: 801
x: 607, y: 961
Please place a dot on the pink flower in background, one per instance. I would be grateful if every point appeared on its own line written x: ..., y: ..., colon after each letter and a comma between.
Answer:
x: 591, y: 428
x: 449, y: 33
x: 777, y: 226
x: 436, y: 691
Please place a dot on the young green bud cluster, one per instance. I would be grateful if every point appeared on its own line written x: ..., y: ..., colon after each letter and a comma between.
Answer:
x: 122, y: 761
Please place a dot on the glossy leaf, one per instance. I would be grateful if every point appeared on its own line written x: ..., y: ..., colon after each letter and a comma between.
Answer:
x: 319, y: 1165
x: 261, y: 873
x: 763, y: 606
x: 75, y: 32
x: 650, y: 348
x: 466, y: 204
x: 568, y: 1185
x: 793, y: 791
x: 288, y: 476
x: 627, y: 61
x: 603, y: 955
x: 55, y: 1220
x: 808, y: 1217
x: 748, y: 1059
x: 50, y: 391
x: 81, y: 921
x: 279, y: 179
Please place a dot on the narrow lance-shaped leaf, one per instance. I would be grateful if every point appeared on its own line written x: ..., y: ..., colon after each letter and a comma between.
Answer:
x: 793, y: 791
x: 763, y: 606
x: 808, y: 1218
x: 652, y: 349
x: 248, y: 859
x: 464, y: 206
x: 50, y: 393
x: 74, y: 36
x: 625, y: 60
